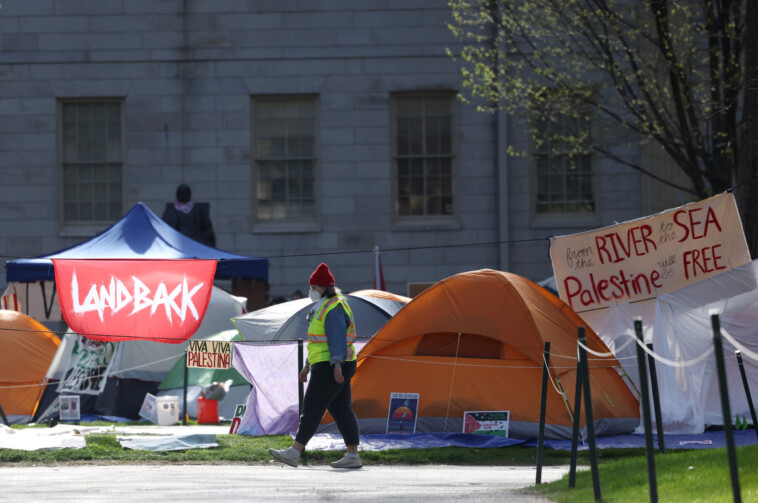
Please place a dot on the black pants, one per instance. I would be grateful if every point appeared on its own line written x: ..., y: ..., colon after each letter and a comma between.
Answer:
x: 324, y: 394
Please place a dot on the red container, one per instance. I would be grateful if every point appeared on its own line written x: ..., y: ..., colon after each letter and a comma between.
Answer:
x: 207, y: 411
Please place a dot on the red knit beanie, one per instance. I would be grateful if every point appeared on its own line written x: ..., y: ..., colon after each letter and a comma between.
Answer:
x: 322, y: 276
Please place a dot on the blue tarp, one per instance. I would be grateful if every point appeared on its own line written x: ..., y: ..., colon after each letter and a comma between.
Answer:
x: 706, y: 440
x: 140, y: 234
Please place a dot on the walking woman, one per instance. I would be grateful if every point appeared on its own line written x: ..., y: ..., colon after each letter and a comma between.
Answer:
x: 331, y: 363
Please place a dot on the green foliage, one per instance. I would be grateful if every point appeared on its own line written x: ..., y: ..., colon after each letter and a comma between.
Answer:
x: 668, y: 71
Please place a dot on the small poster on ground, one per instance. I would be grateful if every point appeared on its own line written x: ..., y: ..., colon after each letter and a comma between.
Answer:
x: 487, y: 422
x: 239, y: 411
x: 69, y: 408
x: 403, y: 413
x: 149, y: 409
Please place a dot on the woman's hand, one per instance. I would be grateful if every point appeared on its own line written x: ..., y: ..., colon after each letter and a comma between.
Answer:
x: 338, y: 377
x: 304, y: 374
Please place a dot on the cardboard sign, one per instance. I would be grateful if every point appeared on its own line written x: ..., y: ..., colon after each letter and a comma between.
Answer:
x: 158, y: 300
x: 209, y: 355
x: 239, y: 411
x: 644, y: 258
x: 69, y: 408
x: 487, y: 422
x: 403, y: 413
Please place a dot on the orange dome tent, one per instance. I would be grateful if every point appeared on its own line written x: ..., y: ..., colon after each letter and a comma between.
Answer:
x: 26, y: 350
x: 475, y: 342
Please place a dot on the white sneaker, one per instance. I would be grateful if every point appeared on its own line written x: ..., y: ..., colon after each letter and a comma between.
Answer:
x: 347, y: 462
x: 285, y: 456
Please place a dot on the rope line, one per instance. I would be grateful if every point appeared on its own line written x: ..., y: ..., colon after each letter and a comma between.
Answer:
x: 452, y: 382
x: 97, y: 376
x: 666, y: 361
x: 550, y: 378
x: 739, y: 346
x: 602, y: 356
x: 348, y: 252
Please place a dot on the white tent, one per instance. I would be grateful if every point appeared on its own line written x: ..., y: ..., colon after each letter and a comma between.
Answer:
x: 286, y: 322
x: 678, y: 324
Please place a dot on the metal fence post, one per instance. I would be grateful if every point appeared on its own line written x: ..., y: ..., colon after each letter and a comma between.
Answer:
x: 590, y: 422
x: 656, y: 400
x: 649, y: 450
x: 726, y: 414
x: 577, y: 415
x: 543, y: 407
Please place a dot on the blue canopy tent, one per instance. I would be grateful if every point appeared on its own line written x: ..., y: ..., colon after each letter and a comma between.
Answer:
x: 139, y: 234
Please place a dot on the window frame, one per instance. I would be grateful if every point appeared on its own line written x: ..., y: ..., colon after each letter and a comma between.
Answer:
x: 561, y: 219
x: 423, y: 222
x: 85, y: 228
x: 288, y: 224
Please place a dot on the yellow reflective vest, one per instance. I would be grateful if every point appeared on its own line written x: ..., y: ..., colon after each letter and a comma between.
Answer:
x: 318, y: 349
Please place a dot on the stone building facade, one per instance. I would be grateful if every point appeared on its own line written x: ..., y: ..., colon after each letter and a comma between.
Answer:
x: 316, y: 130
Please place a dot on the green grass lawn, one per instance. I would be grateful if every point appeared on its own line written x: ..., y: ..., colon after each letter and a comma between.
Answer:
x: 682, y: 476
x: 103, y: 447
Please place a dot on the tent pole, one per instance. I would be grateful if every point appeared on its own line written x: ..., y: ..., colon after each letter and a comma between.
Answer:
x: 186, y: 372
x: 649, y: 451
x: 543, y: 406
x: 656, y: 400
x: 738, y: 354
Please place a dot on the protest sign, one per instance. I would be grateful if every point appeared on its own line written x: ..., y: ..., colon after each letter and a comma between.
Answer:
x: 487, y: 422
x: 239, y: 411
x: 402, y: 414
x: 209, y: 354
x: 110, y: 299
x: 647, y: 257
x: 69, y: 408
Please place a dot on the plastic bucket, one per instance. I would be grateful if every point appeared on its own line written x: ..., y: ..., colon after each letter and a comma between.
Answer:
x: 167, y: 410
x: 207, y: 411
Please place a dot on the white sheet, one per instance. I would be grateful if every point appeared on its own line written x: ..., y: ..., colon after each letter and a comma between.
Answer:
x: 679, y: 326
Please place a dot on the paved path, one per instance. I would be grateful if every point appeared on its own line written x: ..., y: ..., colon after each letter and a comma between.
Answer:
x: 238, y: 483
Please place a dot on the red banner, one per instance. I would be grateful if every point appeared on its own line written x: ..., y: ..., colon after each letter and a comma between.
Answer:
x: 121, y: 300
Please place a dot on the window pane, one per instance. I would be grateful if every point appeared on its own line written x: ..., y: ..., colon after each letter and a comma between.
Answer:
x: 403, y: 206
x: 563, y: 178
x: 91, y: 132
x: 69, y: 212
x: 447, y: 206
x: 417, y: 205
x: 417, y: 185
x: 434, y: 206
x: 285, y: 131
x: 424, y: 154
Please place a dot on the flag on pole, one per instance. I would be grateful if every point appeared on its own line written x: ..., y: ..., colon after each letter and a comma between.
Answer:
x: 378, y: 272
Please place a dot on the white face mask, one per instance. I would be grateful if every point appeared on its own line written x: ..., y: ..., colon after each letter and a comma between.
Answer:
x: 314, y: 295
